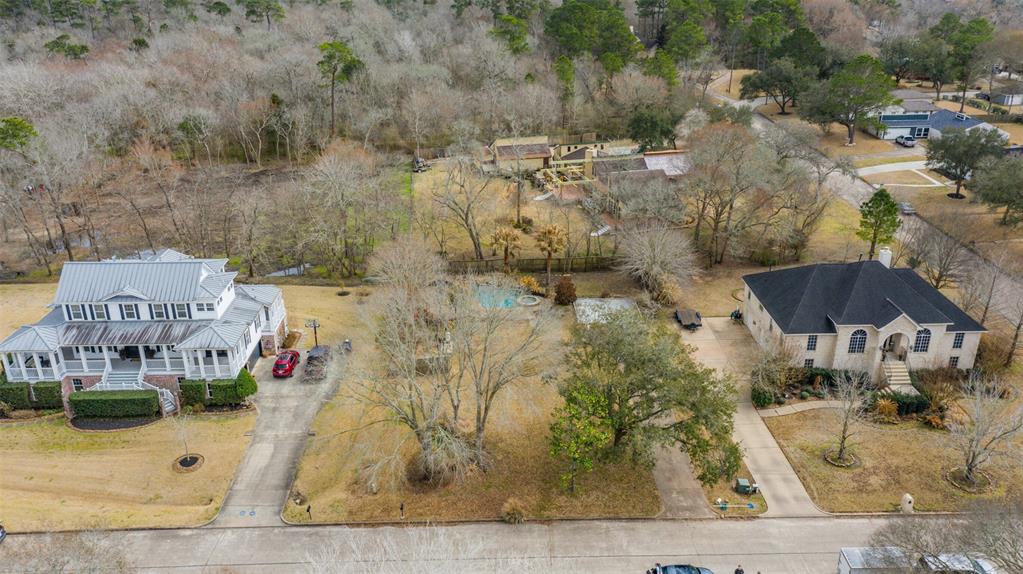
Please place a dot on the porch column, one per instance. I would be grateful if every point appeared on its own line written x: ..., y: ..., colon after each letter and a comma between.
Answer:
x: 216, y: 363
x: 166, y: 357
x: 81, y: 355
x: 201, y: 355
x: 142, y: 356
x: 6, y: 363
x: 106, y: 357
x: 20, y: 357
x: 230, y: 358
x: 186, y: 359
x: 39, y: 367
x: 53, y: 363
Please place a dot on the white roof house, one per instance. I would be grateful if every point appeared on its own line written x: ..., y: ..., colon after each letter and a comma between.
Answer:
x: 146, y: 323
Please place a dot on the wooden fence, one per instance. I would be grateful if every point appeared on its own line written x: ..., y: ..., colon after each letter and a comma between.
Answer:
x: 533, y: 265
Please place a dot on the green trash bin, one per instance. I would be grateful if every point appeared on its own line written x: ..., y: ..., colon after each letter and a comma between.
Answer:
x: 742, y: 486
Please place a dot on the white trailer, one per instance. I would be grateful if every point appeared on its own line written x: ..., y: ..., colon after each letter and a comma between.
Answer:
x: 873, y: 561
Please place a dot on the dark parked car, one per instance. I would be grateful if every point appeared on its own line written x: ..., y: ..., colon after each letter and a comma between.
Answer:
x: 678, y: 569
x: 906, y: 141
x: 285, y: 364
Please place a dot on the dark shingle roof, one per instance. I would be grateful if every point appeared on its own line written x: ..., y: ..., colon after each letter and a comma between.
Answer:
x: 815, y: 298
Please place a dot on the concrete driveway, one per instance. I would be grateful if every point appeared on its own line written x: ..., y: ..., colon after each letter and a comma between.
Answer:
x: 728, y: 347
x: 287, y: 408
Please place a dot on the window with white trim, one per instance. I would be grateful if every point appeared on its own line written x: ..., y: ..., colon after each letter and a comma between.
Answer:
x: 808, y: 363
x: 76, y: 312
x: 811, y: 343
x: 858, y: 341
x: 204, y: 307
x: 922, y: 342
x: 247, y: 339
x: 128, y: 312
x: 100, y: 312
x: 76, y: 384
x: 957, y: 341
x: 953, y: 362
x: 181, y: 310
x: 159, y: 312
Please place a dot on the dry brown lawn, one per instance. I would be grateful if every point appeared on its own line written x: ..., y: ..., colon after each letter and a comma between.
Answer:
x: 833, y: 143
x: 898, y: 179
x: 886, y: 159
x: 987, y: 233
x: 350, y: 437
x: 58, y: 478
x: 908, y: 457
x: 23, y: 304
x: 954, y: 106
x: 1015, y: 132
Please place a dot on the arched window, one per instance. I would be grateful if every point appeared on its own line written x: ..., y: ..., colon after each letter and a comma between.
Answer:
x: 858, y: 341
x: 922, y: 341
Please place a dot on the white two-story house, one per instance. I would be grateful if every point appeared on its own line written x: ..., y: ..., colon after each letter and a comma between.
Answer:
x: 147, y: 324
x: 862, y: 316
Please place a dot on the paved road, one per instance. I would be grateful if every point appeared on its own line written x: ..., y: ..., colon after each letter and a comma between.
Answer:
x: 724, y: 345
x: 287, y: 408
x: 770, y: 546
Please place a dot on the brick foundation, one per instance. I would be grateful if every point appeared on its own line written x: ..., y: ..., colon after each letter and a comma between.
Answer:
x: 169, y: 382
x: 66, y: 388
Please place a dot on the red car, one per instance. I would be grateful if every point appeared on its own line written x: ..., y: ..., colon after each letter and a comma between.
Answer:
x: 285, y: 364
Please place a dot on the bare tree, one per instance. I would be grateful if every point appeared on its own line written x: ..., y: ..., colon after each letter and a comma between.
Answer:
x: 979, y: 285
x: 992, y: 529
x: 941, y: 247
x: 660, y: 258
x: 990, y: 427
x: 1013, y: 311
x: 464, y: 198
x: 850, y: 390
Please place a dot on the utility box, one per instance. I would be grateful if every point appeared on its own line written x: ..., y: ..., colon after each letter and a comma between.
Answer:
x: 873, y: 561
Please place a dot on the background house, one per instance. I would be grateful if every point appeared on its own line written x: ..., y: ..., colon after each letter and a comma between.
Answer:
x: 917, y: 116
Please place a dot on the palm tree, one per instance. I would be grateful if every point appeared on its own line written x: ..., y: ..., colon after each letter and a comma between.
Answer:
x: 550, y: 239
x: 509, y: 240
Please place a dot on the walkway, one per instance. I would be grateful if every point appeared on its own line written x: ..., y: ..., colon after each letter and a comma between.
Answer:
x: 771, y: 546
x: 287, y: 408
x: 724, y: 345
x: 798, y: 408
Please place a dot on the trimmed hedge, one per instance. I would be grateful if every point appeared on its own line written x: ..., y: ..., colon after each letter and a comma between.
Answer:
x: 808, y: 375
x: 115, y: 403
x: 193, y: 392
x: 223, y: 391
x: 909, y: 404
x: 48, y: 395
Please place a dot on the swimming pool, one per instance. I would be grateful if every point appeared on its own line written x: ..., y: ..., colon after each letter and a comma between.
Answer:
x: 496, y: 297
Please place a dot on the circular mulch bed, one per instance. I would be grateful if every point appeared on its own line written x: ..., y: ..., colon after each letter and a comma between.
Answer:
x: 956, y: 479
x: 102, y: 424
x: 955, y: 195
x: 190, y: 462
x: 830, y: 458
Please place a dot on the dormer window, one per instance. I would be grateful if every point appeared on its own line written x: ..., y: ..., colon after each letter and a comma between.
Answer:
x: 99, y: 312
x: 181, y: 310
x: 159, y: 312
x: 129, y: 312
x: 207, y: 307
x: 75, y: 312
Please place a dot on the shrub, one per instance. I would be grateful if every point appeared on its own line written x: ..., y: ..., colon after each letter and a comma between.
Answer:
x: 48, y: 395
x: 115, y: 403
x: 761, y: 396
x: 909, y: 404
x: 779, y: 399
x: 564, y: 291
x: 529, y: 283
x: 934, y: 421
x: 192, y: 392
x: 513, y: 511
x: 15, y: 395
x: 804, y: 395
x: 886, y: 408
x: 246, y: 384
x: 5, y: 410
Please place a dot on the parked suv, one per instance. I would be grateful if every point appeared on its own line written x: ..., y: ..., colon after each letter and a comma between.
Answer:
x: 285, y: 364
x: 678, y: 569
x: 906, y: 141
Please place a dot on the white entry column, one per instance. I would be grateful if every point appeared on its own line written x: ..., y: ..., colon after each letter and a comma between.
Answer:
x: 81, y: 355
x: 142, y: 356
x: 106, y: 357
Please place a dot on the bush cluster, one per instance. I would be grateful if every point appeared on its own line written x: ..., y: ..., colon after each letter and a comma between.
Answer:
x: 564, y: 291
x: 223, y: 391
x: 115, y: 403
x: 909, y: 404
x: 18, y: 397
x: 761, y: 396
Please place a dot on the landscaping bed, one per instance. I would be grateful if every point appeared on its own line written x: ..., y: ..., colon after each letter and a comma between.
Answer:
x: 110, y: 424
